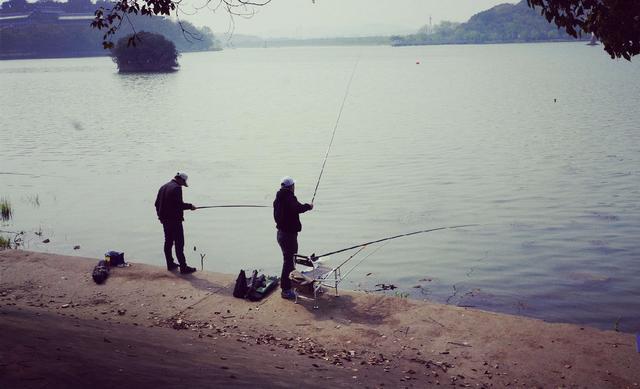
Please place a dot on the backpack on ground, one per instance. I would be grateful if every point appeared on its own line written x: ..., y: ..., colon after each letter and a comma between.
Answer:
x: 100, y: 272
x: 240, y: 290
x: 254, y: 288
x: 114, y: 258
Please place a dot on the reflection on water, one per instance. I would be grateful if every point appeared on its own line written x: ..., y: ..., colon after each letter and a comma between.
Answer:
x: 471, y: 135
x: 149, y: 83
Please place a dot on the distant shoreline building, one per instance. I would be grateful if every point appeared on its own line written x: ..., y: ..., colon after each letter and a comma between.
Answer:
x: 39, y: 16
x: 20, y: 12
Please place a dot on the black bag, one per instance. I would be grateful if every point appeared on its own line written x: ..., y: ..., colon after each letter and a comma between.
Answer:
x: 240, y: 290
x: 100, y: 272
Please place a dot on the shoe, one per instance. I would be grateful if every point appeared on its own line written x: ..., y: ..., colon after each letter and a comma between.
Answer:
x: 172, y: 266
x: 288, y: 294
x: 187, y: 269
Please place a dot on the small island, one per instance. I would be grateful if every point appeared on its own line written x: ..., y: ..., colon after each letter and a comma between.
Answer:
x: 145, y: 52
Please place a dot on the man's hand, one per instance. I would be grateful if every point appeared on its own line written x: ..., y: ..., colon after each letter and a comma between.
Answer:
x: 193, y: 207
x: 310, y: 206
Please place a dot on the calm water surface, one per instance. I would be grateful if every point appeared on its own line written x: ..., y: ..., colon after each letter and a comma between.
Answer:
x: 471, y: 134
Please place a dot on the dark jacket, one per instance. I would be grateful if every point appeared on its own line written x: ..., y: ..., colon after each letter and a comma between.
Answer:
x: 287, y: 210
x: 169, y: 204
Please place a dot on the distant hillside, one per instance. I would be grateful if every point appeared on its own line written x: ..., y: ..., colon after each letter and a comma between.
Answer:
x: 504, y: 23
x: 55, y: 30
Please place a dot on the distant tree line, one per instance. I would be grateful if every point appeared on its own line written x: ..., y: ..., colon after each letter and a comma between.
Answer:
x: 45, y: 40
x: 503, y: 23
x: 336, y: 41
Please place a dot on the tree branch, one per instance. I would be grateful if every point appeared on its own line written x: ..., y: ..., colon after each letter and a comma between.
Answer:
x: 111, y: 19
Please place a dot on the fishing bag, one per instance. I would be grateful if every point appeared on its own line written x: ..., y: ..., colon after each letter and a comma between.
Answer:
x: 100, y: 272
x: 114, y: 258
x: 256, y: 281
x: 254, y: 288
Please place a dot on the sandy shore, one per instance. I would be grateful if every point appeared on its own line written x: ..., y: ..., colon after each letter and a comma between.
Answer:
x: 147, y: 327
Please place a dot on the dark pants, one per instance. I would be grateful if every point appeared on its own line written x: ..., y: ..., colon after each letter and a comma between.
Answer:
x: 174, y: 234
x: 288, y: 242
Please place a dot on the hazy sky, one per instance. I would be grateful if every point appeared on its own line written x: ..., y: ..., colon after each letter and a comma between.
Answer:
x: 304, y: 18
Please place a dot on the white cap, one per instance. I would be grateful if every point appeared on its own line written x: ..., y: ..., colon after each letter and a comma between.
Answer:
x: 183, y: 176
x: 287, y: 182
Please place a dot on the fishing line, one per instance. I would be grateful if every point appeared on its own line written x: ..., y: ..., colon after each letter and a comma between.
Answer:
x: 335, y: 127
x: 362, y: 260
x: 353, y: 255
x: 389, y: 238
x: 234, y: 206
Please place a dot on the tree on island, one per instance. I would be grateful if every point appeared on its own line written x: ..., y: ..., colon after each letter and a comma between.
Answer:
x: 112, y: 18
x: 145, y: 52
x: 616, y: 23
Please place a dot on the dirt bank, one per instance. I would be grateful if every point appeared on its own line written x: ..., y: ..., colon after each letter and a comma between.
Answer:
x: 150, y: 327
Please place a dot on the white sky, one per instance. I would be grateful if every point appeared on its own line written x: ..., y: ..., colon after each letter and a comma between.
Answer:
x: 330, y: 18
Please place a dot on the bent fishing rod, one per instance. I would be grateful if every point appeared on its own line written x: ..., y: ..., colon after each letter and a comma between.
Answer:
x: 234, y: 206
x: 335, y: 127
x: 314, y: 257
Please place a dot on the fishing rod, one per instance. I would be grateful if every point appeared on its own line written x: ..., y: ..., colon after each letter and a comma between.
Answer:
x: 335, y: 127
x: 234, y: 206
x: 314, y: 257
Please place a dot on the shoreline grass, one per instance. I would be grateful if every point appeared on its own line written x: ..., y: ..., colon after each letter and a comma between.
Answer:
x: 6, y: 212
x: 5, y: 243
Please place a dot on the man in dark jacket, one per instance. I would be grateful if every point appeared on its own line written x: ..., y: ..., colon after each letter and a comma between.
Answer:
x: 170, y: 209
x: 286, y: 212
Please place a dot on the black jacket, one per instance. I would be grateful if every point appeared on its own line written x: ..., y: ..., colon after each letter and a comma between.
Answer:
x: 287, y: 210
x: 169, y: 204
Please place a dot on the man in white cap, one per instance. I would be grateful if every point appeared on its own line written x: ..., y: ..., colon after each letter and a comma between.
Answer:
x: 286, y: 213
x: 170, y: 209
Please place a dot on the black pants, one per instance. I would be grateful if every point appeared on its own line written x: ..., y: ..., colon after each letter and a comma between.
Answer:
x: 288, y: 242
x: 174, y: 234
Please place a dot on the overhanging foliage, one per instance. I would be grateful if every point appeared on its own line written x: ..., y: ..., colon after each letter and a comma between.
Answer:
x: 616, y: 23
x: 111, y: 18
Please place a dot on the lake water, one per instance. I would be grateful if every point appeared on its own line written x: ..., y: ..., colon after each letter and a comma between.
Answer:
x: 470, y: 134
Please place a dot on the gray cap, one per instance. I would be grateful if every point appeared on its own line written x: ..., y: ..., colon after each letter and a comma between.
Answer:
x: 287, y: 182
x: 183, y: 176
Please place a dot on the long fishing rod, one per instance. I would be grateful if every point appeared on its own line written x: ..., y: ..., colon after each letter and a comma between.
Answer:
x: 315, y: 257
x: 234, y: 206
x: 335, y: 127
